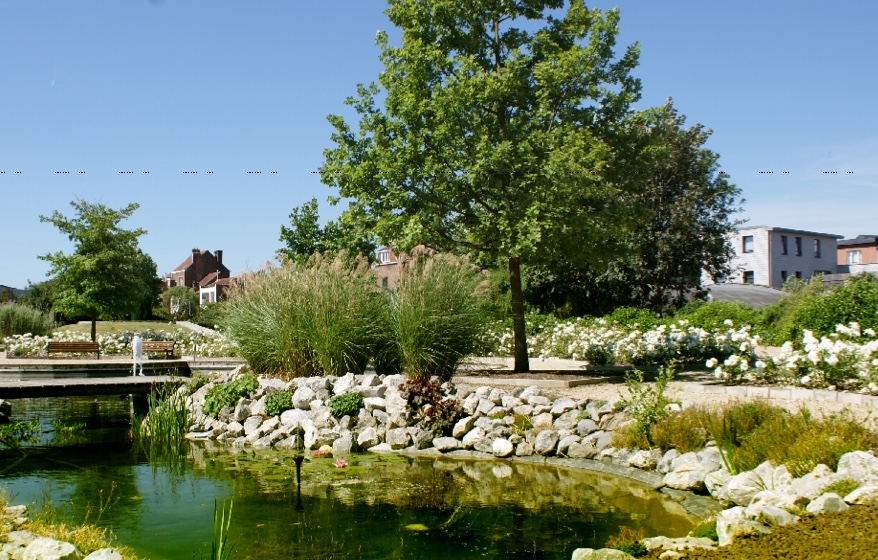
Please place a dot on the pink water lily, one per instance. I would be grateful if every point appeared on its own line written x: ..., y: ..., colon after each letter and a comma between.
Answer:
x: 340, y: 463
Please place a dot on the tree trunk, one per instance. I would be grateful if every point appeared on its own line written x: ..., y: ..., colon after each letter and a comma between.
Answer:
x: 518, y: 325
x: 94, y: 329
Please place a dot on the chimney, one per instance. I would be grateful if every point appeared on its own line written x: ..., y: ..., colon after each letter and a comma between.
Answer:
x: 219, y: 257
x: 195, y: 254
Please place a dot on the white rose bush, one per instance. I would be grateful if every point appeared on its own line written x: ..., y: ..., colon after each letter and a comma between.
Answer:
x: 214, y: 344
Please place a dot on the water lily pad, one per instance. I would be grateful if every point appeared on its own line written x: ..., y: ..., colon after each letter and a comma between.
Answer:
x: 419, y: 527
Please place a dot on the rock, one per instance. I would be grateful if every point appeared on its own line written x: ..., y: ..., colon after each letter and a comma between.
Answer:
x: 469, y: 440
x: 523, y: 410
x: 859, y: 465
x: 242, y: 411
x: 470, y: 404
x: 345, y: 444
x: 235, y: 429
x: 715, y: 480
x: 611, y: 422
x: 252, y: 424
x: 344, y: 384
x: 445, y: 444
x: 567, y: 420
x: 664, y: 465
x: 302, y: 397
x: 546, y: 442
x: 463, y: 426
x: 44, y: 548
x: 679, y: 544
x: 375, y: 403
x: 774, y: 516
x: 562, y: 405
x: 536, y: 400
x: 370, y: 392
x: 710, y: 459
x: 317, y: 383
x: 600, y: 440
x: 484, y: 445
x: 582, y: 451
x: 370, y: 380
x: 104, y: 554
x: 524, y: 449
x: 368, y: 438
x: 294, y: 417
x: 543, y: 421
x: 381, y: 448
x: 496, y: 395
x: 600, y: 554
x: 741, y: 488
x: 422, y: 439
x: 397, y: 438
x: 510, y: 402
x: 732, y: 523
x: 565, y: 442
x: 586, y: 426
x: 292, y: 442
x: 485, y: 406
x: 827, y: 503
x: 645, y: 460
x: 322, y: 417
x: 502, y: 447
x: 21, y: 538
x: 863, y: 495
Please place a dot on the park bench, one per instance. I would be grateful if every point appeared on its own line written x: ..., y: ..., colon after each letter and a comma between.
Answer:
x: 157, y: 346
x: 56, y: 347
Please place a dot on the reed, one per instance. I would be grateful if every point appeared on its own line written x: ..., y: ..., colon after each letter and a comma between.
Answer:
x: 23, y: 319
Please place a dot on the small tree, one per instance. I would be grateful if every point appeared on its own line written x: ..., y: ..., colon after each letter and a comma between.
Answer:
x: 180, y: 303
x: 107, y: 275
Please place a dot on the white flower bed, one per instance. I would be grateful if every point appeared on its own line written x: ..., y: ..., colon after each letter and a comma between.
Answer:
x: 600, y: 342
x: 189, y: 343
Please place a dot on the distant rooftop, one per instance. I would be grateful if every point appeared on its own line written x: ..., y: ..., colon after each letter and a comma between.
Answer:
x: 859, y: 240
x: 789, y: 230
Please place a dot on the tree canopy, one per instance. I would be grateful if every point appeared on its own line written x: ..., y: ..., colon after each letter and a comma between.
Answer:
x: 305, y: 236
x: 500, y: 133
x: 107, y: 276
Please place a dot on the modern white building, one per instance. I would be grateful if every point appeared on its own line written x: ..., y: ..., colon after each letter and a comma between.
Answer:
x: 767, y: 256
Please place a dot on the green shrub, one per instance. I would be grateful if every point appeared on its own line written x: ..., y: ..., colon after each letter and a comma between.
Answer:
x: 629, y: 541
x: 629, y: 316
x: 706, y: 530
x: 855, y: 301
x: 711, y: 316
x: 842, y: 487
x: 322, y: 318
x: 683, y: 431
x: 436, y: 314
x: 347, y: 404
x: 278, y: 402
x: 23, y: 319
x: 646, y: 403
x: 228, y: 394
x: 211, y: 315
x: 197, y: 380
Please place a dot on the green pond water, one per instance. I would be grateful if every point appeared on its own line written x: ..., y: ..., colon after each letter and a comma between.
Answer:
x: 378, y: 506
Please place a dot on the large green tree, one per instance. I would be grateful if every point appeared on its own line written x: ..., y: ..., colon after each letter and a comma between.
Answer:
x: 304, y: 237
x: 107, y: 276
x: 685, y: 235
x: 499, y: 134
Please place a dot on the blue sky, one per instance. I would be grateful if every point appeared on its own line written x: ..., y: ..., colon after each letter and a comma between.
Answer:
x: 231, y: 87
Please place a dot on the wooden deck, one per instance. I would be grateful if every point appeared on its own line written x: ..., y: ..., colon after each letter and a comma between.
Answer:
x: 84, y: 386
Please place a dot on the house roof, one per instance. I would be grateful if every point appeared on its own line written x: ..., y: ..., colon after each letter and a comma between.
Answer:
x: 859, y: 240
x: 210, y: 280
x: 789, y: 230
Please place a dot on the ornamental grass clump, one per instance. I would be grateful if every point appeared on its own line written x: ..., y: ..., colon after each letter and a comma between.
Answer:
x: 323, y: 317
x: 23, y: 319
x: 436, y: 314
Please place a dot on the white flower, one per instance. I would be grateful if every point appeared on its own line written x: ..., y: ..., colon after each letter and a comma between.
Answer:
x: 711, y: 363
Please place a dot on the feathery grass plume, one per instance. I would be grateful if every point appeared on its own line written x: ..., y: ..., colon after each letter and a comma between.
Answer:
x: 436, y: 314
x: 23, y: 319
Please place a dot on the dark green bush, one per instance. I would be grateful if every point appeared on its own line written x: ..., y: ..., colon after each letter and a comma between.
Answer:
x: 711, y: 316
x: 347, y: 404
x: 278, y: 402
x: 706, y: 530
x: 228, y: 394
x: 629, y: 316
x: 855, y: 301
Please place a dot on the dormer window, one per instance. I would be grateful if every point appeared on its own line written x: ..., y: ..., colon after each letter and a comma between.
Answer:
x: 384, y: 256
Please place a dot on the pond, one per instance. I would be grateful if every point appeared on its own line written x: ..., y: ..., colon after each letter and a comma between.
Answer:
x: 377, y: 506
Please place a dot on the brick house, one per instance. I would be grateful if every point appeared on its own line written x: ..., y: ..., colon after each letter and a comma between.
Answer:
x: 858, y: 255
x: 202, y: 271
x: 387, y: 267
x: 767, y: 256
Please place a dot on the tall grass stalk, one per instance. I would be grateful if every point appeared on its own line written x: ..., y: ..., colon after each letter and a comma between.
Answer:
x: 323, y: 317
x: 23, y: 319
x: 436, y: 313
x: 161, y: 432
x: 220, y: 549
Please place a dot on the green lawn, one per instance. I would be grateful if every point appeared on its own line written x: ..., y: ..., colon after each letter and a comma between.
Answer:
x: 115, y: 327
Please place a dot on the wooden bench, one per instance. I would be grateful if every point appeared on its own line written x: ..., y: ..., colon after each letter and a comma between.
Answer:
x: 156, y: 346
x: 56, y: 347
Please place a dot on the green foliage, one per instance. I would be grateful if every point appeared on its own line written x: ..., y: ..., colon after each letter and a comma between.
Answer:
x: 684, y: 431
x: 347, y: 404
x: 167, y: 421
x: 855, y: 301
x: 210, y: 315
x: 710, y: 316
x: 197, y: 380
x: 22, y: 319
x: 180, y: 303
x: 40, y: 295
x: 220, y: 548
x: 278, y: 402
x: 630, y: 316
x: 229, y: 393
x: 706, y: 530
x: 435, y: 314
x: 67, y: 428
x: 646, y: 403
x: 629, y: 541
x: 325, y: 317
x: 842, y: 487
x: 780, y: 318
x: 107, y: 275
x: 522, y: 423
x: 429, y: 402
x: 13, y: 434
x: 350, y: 234
x: 505, y: 142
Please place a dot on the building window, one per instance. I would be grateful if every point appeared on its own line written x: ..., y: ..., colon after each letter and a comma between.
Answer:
x: 855, y: 257
x: 817, y: 248
x: 384, y: 282
x: 798, y: 275
x: 384, y: 256
x: 749, y: 277
x: 798, y: 246
x: 783, y: 275
x: 783, y: 244
x: 748, y: 243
